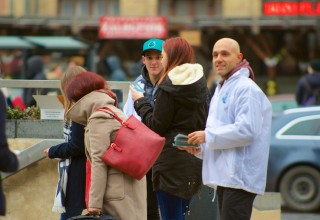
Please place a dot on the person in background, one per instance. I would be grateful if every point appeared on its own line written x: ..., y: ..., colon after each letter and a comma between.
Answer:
x: 235, y: 142
x: 55, y: 71
x: 15, y: 65
x: 180, y: 106
x: 116, y: 73
x: 135, y: 70
x: 72, y: 153
x: 151, y: 72
x: 34, y: 72
x: 111, y: 191
x: 308, y: 88
x: 8, y: 160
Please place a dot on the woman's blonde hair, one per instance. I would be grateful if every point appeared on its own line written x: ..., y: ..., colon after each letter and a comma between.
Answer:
x: 65, y: 79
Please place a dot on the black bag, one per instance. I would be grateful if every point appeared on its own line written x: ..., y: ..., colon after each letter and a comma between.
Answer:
x: 93, y: 217
x: 312, y: 96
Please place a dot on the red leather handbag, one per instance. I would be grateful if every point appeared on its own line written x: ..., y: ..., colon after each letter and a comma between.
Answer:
x: 135, y: 147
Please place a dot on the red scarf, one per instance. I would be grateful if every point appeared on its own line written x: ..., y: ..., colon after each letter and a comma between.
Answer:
x: 243, y: 64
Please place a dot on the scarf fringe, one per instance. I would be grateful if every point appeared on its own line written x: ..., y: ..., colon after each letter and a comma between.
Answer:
x: 63, y: 170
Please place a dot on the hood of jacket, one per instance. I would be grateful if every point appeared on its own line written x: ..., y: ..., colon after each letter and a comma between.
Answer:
x: 81, y: 111
x: 187, y: 83
x: 145, y: 74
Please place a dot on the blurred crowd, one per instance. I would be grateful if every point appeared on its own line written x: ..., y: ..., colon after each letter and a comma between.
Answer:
x: 51, y: 67
x: 13, y: 65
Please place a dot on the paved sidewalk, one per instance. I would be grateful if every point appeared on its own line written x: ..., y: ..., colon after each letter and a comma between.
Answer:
x: 300, y: 216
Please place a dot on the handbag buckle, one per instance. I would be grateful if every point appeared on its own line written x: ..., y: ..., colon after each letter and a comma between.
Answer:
x: 126, y: 124
x: 115, y: 147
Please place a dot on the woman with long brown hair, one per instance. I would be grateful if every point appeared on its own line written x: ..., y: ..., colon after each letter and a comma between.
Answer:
x: 111, y: 191
x: 181, y: 106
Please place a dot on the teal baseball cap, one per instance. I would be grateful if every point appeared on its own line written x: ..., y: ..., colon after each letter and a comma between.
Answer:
x: 152, y: 44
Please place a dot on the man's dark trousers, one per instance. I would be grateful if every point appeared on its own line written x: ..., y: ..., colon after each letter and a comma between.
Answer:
x: 235, y: 204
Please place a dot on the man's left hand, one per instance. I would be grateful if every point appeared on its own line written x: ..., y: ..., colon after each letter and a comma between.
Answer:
x: 197, y: 137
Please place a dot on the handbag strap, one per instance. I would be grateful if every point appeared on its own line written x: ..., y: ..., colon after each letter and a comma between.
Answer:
x: 108, y: 110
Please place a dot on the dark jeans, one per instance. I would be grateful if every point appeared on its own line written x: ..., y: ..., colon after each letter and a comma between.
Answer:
x: 152, y: 203
x: 71, y: 212
x: 235, y: 204
x: 172, y: 207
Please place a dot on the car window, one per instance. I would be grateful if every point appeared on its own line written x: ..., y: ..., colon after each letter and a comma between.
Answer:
x: 307, y: 127
x: 302, y: 128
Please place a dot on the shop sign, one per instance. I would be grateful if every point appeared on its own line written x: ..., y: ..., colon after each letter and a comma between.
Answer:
x: 132, y: 27
x: 283, y: 8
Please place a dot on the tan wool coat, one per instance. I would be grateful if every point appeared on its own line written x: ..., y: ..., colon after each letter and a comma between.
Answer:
x: 114, y: 192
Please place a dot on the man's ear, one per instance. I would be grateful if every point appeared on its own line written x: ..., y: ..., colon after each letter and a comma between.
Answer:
x: 240, y: 57
x: 143, y: 59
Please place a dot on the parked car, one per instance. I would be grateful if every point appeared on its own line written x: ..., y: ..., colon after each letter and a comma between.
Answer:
x: 294, y: 160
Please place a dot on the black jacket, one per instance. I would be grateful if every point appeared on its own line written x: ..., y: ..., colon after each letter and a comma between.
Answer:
x: 181, y: 109
x: 74, y: 149
x: 8, y: 160
x: 302, y: 92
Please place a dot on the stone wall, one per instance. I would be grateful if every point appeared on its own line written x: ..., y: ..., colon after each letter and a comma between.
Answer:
x: 46, y: 129
x: 30, y: 192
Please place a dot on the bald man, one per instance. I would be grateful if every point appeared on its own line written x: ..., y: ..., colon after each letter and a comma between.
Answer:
x: 235, y: 144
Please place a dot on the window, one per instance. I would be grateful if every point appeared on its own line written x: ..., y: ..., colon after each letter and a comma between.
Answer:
x: 31, y: 7
x: 99, y: 8
x: 82, y: 8
x: 182, y: 7
x: 199, y: 8
x: 307, y: 127
x: 164, y: 7
x: 66, y: 8
x: 113, y: 7
x: 105, y: 8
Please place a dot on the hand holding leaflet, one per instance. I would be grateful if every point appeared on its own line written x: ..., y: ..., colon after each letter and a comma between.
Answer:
x: 181, y: 140
x: 137, y: 87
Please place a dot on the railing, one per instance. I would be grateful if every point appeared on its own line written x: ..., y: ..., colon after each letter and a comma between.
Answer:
x: 35, y: 153
x: 32, y: 154
x: 52, y: 84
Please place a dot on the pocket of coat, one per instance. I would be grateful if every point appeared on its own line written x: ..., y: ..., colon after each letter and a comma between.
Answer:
x: 229, y: 158
x: 115, y: 185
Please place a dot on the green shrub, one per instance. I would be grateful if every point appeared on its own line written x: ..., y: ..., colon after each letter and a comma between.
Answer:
x: 32, y: 112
